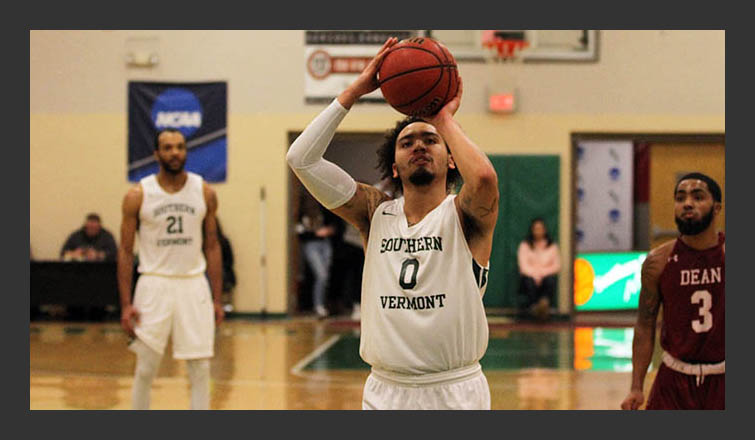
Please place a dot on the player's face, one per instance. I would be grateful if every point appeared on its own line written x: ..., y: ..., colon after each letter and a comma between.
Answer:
x: 421, y: 154
x: 694, y: 207
x: 171, y: 152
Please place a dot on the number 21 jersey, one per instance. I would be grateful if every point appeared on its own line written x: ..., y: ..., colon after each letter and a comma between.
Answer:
x: 170, y: 228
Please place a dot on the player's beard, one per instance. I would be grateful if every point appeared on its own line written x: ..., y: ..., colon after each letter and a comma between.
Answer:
x: 694, y: 227
x: 166, y: 165
x: 421, y: 177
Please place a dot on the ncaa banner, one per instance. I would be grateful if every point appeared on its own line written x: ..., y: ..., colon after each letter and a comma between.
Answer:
x: 605, y: 196
x: 334, y: 59
x: 197, y: 110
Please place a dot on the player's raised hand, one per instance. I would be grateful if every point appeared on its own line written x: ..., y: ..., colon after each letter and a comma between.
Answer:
x: 367, y: 81
x: 448, y: 110
x: 129, y: 318
x: 634, y: 400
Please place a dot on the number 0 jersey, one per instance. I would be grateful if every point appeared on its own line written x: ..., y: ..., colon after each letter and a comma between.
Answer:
x: 170, y: 228
x: 422, y: 308
x: 692, y: 288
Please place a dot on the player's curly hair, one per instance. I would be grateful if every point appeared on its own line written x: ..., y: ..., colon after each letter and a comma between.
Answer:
x: 387, y: 157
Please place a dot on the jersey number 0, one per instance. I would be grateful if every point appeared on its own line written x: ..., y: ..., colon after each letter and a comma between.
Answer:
x: 409, y: 268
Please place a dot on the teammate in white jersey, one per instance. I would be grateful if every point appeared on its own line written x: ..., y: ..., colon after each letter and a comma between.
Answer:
x: 174, y: 213
x: 427, y: 252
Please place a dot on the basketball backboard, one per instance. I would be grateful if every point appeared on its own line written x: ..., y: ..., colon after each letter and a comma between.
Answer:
x: 542, y: 45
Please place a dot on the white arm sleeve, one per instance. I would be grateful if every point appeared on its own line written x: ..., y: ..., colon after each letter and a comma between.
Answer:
x: 328, y: 183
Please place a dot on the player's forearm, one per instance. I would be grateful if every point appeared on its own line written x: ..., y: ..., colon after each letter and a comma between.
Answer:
x: 214, y: 258
x: 348, y: 97
x: 125, y: 275
x: 642, y: 353
x: 473, y: 165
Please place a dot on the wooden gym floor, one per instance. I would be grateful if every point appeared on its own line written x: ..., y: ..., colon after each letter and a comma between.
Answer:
x: 301, y: 363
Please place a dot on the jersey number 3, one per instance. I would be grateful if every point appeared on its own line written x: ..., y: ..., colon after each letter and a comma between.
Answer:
x: 704, y: 297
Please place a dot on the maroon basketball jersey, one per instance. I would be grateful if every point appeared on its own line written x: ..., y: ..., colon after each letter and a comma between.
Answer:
x: 692, y: 290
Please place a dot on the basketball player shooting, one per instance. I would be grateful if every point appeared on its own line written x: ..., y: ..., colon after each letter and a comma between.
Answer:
x: 174, y: 212
x: 687, y: 276
x: 423, y: 327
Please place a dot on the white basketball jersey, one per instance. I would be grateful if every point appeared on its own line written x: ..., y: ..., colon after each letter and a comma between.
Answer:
x: 170, y: 228
x: 422, y: 308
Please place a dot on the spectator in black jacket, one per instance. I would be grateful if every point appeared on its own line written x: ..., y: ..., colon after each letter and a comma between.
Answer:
x: 91, y: 242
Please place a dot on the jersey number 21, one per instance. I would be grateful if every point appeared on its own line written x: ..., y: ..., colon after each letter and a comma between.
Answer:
x: 175, y: 225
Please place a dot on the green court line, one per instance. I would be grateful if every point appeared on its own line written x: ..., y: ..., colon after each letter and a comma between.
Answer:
x: 525, y: 350
x: 73, y: 330
x: 343, y: 355
x: 519, y: 350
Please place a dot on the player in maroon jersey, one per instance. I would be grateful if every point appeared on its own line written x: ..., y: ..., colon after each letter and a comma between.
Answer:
x: 687, y: 276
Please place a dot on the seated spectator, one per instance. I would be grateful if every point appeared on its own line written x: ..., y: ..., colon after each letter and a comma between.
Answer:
x: 539, y: 264
x: 90, y: 243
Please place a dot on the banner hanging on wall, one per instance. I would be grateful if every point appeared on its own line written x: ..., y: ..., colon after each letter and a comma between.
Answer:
x: 197, y: 110
x: 334, y: 59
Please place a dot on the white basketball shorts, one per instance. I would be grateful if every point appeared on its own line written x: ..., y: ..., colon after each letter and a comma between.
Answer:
x: 464, y: 388
x: 181, y: 307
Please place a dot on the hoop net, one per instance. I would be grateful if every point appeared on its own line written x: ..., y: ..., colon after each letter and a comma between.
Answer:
x: 502, y: 49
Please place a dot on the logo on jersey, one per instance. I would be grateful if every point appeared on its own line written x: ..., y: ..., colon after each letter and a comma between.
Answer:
x: 177, y: 108
x: 675, y: 257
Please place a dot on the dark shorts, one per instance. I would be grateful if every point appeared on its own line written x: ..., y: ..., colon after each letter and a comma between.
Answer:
x: 674, y: 390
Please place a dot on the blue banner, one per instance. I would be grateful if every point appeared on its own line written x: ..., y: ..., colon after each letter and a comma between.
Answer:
x: 198, y: 110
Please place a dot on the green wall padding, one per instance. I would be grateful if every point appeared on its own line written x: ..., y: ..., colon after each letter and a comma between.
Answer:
x: 529, y: 187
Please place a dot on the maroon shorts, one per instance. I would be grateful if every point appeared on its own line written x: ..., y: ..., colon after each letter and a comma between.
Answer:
x: 674, y: 390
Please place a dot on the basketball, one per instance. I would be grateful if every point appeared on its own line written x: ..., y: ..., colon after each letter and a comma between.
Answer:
x: 418, y: 76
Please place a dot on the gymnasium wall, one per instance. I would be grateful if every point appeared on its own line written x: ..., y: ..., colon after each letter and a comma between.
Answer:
x: 645, y: 82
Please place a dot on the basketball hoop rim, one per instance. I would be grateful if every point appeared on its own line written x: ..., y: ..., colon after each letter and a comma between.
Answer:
x: 505, y: 49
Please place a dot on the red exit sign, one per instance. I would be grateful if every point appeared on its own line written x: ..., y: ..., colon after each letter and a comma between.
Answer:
x: 501, y: 102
